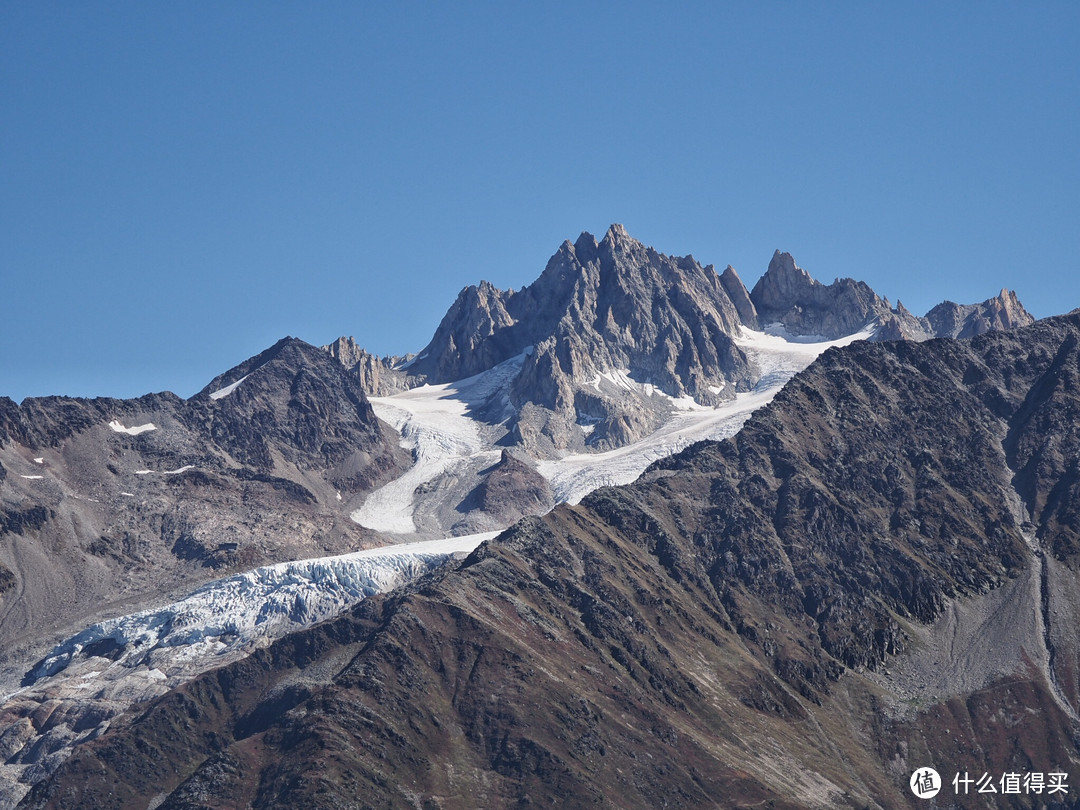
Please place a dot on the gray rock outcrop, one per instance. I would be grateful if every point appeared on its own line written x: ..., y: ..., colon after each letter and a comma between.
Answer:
x: 787, y: 295
x: 607, y: 325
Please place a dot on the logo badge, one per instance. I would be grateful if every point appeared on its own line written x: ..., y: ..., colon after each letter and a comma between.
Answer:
x: 925, y: 783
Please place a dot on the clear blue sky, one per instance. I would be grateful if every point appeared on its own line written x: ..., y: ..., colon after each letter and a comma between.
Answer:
x: 181, y: 184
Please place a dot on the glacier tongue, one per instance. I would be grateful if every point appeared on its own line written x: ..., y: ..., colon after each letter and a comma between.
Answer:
x: 101, y: 671
x: 240, y: 611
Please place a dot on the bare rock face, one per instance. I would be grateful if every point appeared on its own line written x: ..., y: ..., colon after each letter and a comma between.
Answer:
x: 618, y: 304
x: 963, y: 321
x: 605, y: 326
x: 292, y: 406
x: 797, y: 617
x: 740, y: 297
x: 511, y: 490
x: 377, y: 375
x: 787, y: 295
x: 115, y: 501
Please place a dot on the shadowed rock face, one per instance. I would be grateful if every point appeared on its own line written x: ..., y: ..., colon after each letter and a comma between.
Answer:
x: 115, y: 501
x: 745, y: 626
x: 509, y: 491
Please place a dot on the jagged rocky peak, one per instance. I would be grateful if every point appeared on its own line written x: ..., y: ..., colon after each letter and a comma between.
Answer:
x: 740, y: 297
x: 471, y: 337
x: 378, y: 376
x: 610, y: 295
x: 789, y: 296
x: 602, y: 321
x: 611, y: 322
x: 1004, y: 311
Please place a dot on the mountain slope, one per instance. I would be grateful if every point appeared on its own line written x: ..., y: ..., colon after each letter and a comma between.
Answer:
x: 112, y: 501
x: 712, y: 635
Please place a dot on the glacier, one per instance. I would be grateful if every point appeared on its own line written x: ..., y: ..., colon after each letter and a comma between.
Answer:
x: 242, y: 611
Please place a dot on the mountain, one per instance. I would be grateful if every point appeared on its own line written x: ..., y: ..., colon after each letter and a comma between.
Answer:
x: 613, y: 331
x: 138, y: 538
x: 878, y: 573
x: 614, y: 344
x: 787, y: 295
x: 601, y: 314
x: 109, y: 502
x: 603, y: 320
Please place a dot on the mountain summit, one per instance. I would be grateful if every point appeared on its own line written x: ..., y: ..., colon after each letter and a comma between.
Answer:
x: 788, y: 296
x: 604, y: 339
x: 614, y: 337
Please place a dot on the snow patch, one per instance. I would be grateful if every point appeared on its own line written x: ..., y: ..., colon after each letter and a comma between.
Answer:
x: 118, y: 427
x: 228, y: 389
x: 177, y: 471
x: 40, y: 460
x: 620, y: 378
x: 33, y: 477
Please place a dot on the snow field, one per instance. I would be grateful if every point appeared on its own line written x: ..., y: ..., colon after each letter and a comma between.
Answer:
x: 434, y: 423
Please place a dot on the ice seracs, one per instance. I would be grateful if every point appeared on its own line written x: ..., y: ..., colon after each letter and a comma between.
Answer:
x: 132, y: 658
x: 264, y: 603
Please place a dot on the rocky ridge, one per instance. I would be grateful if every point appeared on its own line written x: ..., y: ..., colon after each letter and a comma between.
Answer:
x: 789, y: 296
x: 111, y: 502
x: 603, y: 321
x: 614, y: 333
x: 742, y: 627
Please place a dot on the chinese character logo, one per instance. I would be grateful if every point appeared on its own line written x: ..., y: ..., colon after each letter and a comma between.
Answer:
x: 925, y: 783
